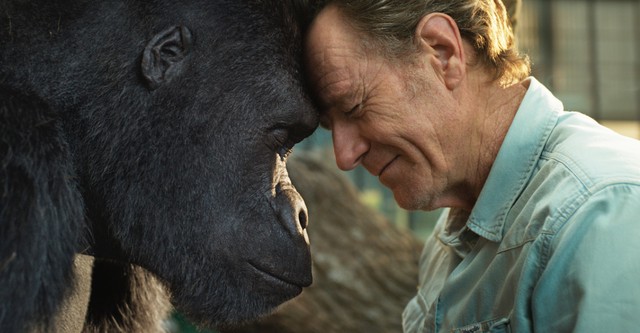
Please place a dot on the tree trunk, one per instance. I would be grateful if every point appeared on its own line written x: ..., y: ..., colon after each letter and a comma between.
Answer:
x: 365, y: 269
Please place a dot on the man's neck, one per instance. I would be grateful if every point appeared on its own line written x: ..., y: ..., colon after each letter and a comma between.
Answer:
x: 494, y: 108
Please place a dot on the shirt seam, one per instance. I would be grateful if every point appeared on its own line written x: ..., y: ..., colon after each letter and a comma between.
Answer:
x: 520, y: 244
x: 588, y: 184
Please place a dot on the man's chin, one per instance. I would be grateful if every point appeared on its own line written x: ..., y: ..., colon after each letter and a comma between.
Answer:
x: 408, y: 201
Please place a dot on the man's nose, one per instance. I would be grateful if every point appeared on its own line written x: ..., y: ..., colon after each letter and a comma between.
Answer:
x: 348, y: 145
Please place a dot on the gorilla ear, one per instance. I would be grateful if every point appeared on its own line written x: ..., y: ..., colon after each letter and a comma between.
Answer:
x: 162, y: 57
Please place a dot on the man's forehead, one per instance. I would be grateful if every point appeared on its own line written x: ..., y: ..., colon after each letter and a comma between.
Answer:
x: 331, y: 34
x: 333, y: 55
x: 328, y: 19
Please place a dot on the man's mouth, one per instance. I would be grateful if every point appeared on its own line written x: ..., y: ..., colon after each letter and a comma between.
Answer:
x: 387, y: 165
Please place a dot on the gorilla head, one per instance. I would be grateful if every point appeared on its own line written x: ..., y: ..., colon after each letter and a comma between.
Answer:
x: 173, y: 121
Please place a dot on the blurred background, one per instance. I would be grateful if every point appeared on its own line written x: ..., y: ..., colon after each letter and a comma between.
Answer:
x: 587, y: 52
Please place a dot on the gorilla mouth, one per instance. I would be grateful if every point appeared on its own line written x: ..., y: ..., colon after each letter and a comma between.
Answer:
x: 269, y: 276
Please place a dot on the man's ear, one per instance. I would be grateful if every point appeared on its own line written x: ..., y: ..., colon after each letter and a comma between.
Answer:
x: 438, y: 34
x: 163, y: 56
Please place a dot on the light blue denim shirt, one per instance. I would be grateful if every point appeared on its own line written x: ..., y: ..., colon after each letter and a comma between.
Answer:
x: 553, y: 242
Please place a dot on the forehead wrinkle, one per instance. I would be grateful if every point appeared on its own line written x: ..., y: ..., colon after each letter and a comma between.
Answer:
x: 334, y: 86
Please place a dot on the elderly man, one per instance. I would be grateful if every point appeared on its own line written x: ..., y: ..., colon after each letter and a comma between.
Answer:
x: 544, y: 205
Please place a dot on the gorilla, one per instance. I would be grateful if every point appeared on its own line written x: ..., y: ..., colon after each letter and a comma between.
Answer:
x: 150, y: 137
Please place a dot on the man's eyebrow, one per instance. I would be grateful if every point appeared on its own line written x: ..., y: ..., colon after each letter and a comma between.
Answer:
x: 335, y: 94
x: 337, y: 90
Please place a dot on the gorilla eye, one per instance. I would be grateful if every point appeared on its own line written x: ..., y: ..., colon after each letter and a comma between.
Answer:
x: 283, y: 142
x: 284, y: 152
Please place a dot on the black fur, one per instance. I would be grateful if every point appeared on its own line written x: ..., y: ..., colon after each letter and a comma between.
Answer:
x: 152, y: 135
x: 125, y: 298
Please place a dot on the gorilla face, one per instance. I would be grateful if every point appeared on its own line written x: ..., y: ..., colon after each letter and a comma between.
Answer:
x: 183, y: 137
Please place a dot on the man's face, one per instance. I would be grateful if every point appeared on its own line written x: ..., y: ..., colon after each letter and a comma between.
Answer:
x: 395, y: 118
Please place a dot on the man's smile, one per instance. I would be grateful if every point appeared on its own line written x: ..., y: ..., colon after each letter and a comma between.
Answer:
x: 387, y: 165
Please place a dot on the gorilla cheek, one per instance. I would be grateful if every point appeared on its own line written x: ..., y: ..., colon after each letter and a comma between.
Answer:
x: 279, y: 254
x: 258, y: 250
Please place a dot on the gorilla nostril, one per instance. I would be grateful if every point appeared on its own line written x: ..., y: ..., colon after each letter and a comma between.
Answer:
x: 302, y: 218
x: 290, y: 208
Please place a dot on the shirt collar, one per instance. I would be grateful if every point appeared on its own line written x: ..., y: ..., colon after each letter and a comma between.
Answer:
x: 516, y: 159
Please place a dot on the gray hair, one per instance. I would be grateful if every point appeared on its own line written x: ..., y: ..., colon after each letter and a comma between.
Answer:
x: 389, y: 25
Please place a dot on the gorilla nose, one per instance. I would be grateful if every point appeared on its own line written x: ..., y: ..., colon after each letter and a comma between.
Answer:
x: 302, y: 218
x: 291, y: 209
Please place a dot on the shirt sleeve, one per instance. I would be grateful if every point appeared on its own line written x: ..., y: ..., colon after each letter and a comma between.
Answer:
x: 591, y: 279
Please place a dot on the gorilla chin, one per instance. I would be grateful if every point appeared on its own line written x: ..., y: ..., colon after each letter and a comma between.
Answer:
x: 237, y: 303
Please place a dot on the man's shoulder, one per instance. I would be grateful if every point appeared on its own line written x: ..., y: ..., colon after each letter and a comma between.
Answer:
x: 583, y: 164
x: 594, y: 154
